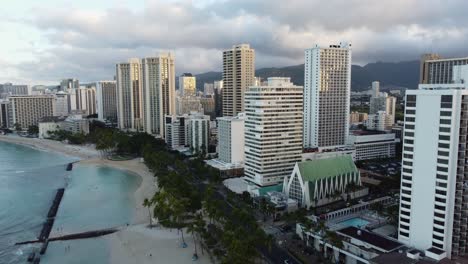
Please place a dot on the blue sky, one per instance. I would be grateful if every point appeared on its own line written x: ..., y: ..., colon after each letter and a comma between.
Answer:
x: 45, y: 41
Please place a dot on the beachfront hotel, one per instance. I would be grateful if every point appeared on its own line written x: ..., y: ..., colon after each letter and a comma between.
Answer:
x: 129, y: 96
x: 158, y: 81
x: 273, y: 131
x: 27, y: 110
x: 327, y: 90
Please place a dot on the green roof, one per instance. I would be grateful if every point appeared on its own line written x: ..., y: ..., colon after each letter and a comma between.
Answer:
x: 313, y: 170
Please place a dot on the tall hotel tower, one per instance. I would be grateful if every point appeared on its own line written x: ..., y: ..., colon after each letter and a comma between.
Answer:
x: 238, y: 75
x: 434, y: 193
x: 158, y: 79
x: 129, y: 96
x: 327, y: 80
x: 273, y: 131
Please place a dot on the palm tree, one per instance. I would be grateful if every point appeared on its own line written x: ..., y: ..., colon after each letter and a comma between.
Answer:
x: 192, y: 228
x: 147, y: 203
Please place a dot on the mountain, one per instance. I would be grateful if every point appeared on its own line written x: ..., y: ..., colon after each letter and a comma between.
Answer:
x: 403, y: 74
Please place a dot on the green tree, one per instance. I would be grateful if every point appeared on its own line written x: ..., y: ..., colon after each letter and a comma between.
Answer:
x: 18, y: 127
x: 33, y: 130
x: 147, y: 204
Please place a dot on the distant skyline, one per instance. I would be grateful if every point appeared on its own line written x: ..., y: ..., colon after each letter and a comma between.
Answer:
x: 45, y: 41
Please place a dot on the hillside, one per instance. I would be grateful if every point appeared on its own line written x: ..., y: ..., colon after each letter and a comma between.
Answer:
x: 400, y: 74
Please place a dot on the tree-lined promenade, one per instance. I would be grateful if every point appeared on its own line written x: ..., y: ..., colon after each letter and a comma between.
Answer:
x: 190, y: 196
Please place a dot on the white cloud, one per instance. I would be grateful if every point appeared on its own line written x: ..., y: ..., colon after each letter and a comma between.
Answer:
x: 86, y: 43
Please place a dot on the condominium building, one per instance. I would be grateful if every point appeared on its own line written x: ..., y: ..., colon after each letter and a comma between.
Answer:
x: 208, y: 89
x: 231, y: 139
x: 158, y: 79
x: 238, y: 75
x: 187, y: 104
x: 435, y: 69
x: 357, y: 117
x: 61, y: 104
x: 27, y: 110
x: 327, y: 80
x: 208, y: 105
x: 433, y: 215
x: 381, y: 121
x: 273, y: 131
x: 382, y: 102
x: 187, y: 85
x: 177, y: 131
x: 67, y: 84
x: 129, y: 96
x: 199, y: 132
x: 106, y: 100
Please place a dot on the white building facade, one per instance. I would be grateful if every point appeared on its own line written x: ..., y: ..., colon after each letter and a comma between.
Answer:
x: 273, y: 131
x: 129, y: 96
x: 373, y: 146
x: 199, y: 133
x: 231, y: 140
x: 434, y: 196
x: 327, y: 91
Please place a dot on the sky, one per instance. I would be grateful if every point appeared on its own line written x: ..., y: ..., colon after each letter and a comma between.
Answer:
x: 45, y: 41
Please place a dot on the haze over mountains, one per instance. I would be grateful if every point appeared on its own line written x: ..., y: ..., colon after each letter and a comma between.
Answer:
x: 403, y: 74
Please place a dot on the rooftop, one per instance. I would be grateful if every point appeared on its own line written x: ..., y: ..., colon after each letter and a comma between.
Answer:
x: 313, y: 170
x: 371, y: 238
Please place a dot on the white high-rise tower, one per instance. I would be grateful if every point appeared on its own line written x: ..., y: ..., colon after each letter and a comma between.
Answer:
x: 327, y: 88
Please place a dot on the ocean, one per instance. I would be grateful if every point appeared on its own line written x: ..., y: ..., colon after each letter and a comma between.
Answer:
x: 96, y: 197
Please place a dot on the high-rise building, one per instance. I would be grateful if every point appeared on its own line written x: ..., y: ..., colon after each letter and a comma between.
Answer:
x: 199, y: 132
x: 8, y: 89
x: 381, y: 121
x: 177, y: 131
x: 327, y: 80
x: 158, y: 78
x: 231, y: 139
x: 67, y: 84
x: 208, y: 89
x: 187, y: 104
x: 187, y: 85
x: 434, y: 197
x: 435, y: 69
x: 208, y: 105
x: 61, y: 104
x: 106, y: 100
x: 273, y: 131
x: 129, y: 96
x: 238, y: 75
x: 27, y: 110
x: 375, y: 89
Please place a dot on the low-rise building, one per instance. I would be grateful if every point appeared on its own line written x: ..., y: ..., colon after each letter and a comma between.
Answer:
x: 380, y: 121
x: 322, y: 181
x: 49, y: 124
x: 75, y: 124
x: 372, y: 144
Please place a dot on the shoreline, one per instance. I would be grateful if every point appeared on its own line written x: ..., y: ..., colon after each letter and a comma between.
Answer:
x: 135, y: 243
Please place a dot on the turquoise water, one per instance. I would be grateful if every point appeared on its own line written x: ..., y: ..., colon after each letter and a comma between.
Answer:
x: 356, y: 222
x: 96, y: 197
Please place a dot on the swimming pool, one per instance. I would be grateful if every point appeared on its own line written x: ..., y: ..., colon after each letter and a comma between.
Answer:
x: 356, y: 222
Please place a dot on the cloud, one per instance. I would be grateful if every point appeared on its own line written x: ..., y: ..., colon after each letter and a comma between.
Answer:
x: 86, y: 44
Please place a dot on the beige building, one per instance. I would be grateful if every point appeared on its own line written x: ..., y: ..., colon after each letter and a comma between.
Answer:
x: 28, y: 110
x: 238, y: 75
x: 187, y: 104
x: 158, y: 79
x: 273, y: 131
x: 187, y: 85
x: 357, y: 117
x: 129, y: 96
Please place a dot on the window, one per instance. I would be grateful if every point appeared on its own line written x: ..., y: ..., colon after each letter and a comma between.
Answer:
x: 404, y: 234
x: 404, y: 220
x: 441, y: 193
x: 405, y: 213
x: 409, y: 126
x: 407, y: 148
x: 409, y: 134
x: 438, y: 237
x: 439, y: 207
x: 407, y: 178
x: 409, y: 141
x: 443, y: 169
x: 443, y: 153
x: 442, y: 137
x: 410, y: 112
x: 410, y: 119
x: 410, y: 98
x: 440, y: 200
x: 445, y: 121
x: 441, y: 177
x: 444, y: 129
x: 445, y: 113
x: 407, y: 170
x: 442, y: 161
x: 443, y: 145
x: 437, y: 222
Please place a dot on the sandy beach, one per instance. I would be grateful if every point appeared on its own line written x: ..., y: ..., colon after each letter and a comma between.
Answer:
x: 135, y: 243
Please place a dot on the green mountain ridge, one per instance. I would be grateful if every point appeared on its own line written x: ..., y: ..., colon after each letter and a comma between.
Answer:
x: 403, y: 74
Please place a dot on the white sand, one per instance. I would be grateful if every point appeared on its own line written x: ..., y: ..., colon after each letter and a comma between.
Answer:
x: 78, y: 151
x: 132, y: 244
x: 136, y: 243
